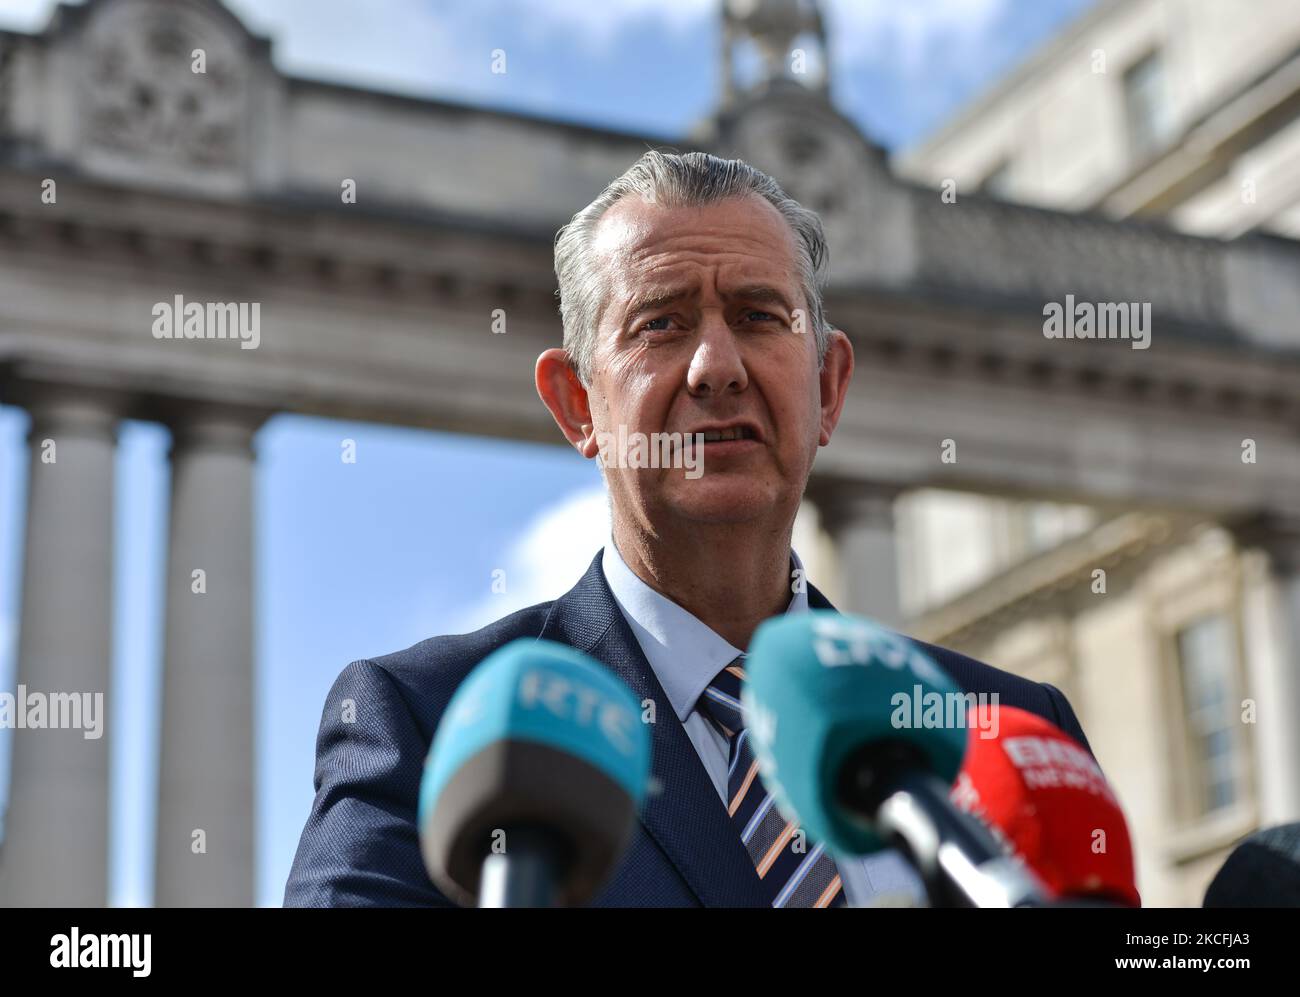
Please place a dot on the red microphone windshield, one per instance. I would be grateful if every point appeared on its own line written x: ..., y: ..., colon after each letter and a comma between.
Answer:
x: 1044, y: 795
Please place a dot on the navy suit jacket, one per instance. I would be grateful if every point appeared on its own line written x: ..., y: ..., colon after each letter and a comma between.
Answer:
x: 360, y: 846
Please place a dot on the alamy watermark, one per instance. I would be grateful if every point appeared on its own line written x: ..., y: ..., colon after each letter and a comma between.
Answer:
x: 653, y: 450
x: 26, y: 710
x: 181, y: 319
x: 1129, y: 320
x: 923, y: 709
x: 102, y: 951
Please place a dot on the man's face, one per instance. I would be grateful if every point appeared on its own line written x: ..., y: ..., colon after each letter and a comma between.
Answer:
x: 700, y: 330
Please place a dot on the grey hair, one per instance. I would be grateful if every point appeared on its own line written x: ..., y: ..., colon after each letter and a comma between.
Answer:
x: 673, y: 180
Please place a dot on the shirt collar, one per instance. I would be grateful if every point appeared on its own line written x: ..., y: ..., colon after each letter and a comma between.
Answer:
x: 684, y: 653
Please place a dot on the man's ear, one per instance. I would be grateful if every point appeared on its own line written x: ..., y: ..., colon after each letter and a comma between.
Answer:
x: 836, y: 373
x: 566, y: 399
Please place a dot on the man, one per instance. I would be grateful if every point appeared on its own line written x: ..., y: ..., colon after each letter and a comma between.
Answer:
x: 690, y: 293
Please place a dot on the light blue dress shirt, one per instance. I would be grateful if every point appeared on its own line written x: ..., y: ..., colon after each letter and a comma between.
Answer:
x: 685, y: 655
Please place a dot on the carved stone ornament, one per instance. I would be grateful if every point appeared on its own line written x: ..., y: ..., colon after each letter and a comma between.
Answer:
x: 143, y: 96
x: 819, y: 162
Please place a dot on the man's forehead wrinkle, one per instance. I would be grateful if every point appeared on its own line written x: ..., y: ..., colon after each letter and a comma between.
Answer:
x: 645, y: 285
x: 731, y: 238
x: 636, y: 229
x: 647, y: 249
x: 616, y: 229
x: 725, y: 264
x: 614, y: 239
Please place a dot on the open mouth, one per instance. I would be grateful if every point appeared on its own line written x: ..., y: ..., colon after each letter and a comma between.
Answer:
x: 733, y: 433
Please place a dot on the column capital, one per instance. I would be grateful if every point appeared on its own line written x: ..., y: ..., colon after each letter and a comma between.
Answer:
x: 65, y: 410
x: 1275, y: 533
x: 843, y: 503
x: 859, y: 516
x: 208, y: 427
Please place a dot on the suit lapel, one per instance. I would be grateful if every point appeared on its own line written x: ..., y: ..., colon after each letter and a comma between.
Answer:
x: 685, y: 815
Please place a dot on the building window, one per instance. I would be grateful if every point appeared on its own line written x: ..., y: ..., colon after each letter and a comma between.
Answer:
x: 1210, y: 714
x: 1146, y: 105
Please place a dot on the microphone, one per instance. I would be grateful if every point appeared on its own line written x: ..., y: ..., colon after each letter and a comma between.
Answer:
x: 1262, y: 871
x: 531, y: 787
x: 1045, y: 797
x: 830, y: 701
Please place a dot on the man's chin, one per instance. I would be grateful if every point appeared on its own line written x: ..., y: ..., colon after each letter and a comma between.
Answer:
x: 718, y: 501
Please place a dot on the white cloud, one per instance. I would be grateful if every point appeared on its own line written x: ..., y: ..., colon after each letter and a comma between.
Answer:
x: 391, y: 44
x: 597, y: 24
x: 908, y: 33
x: 549, y: 556
x: 422, y: 46
x: 420, y: 42
x: 25, y: 15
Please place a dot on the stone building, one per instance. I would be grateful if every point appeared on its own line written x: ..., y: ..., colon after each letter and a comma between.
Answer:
x: 1178, y: 112
x: 230, y: 187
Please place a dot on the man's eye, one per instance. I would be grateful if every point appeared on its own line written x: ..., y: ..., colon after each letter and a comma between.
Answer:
x: 653, y: 326
x: 762, y: 316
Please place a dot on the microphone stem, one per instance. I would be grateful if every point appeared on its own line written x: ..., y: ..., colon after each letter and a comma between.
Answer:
x: 525, y: 874
x: 962, y: 864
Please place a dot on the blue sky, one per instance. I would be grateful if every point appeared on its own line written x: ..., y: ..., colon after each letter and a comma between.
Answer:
x: 356, y: 560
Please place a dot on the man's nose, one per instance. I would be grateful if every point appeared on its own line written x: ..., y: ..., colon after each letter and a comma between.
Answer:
x: 717, y: 365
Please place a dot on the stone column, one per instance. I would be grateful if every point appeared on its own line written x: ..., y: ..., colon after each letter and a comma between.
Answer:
x: 860, y: 520
x: 1271, y: 631
x: 204, y: 846
x: 55, y: 848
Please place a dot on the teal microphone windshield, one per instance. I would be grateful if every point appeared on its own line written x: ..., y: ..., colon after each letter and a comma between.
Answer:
x: 821, y: 688
x: 539, y: 738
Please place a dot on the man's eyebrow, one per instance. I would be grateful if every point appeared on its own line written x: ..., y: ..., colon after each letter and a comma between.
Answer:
x: 758, y: 293
x: 652, y: 299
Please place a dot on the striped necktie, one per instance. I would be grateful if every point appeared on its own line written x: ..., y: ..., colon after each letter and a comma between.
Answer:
x: 798, y: 875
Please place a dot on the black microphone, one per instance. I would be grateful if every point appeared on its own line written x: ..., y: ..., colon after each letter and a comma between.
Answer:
x: 1262, y: 871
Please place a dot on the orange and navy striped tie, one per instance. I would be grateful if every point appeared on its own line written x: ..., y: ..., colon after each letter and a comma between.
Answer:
x: 800, y: 876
